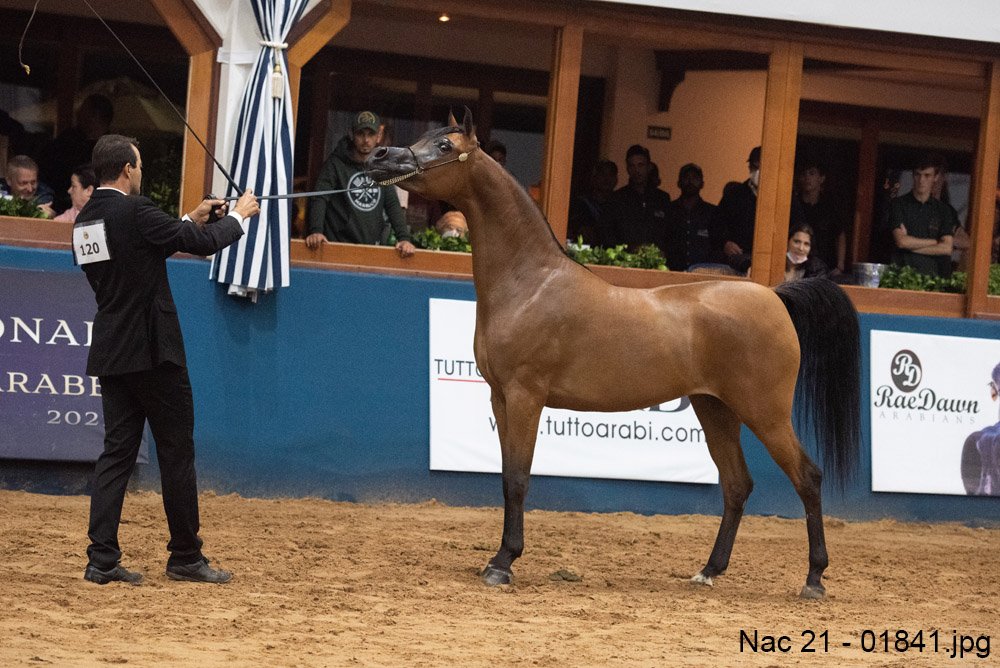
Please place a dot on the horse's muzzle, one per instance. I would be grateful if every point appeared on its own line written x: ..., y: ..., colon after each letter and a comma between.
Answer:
x: 388, y: 162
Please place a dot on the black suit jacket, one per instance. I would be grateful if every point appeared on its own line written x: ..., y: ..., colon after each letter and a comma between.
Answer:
x: 136, y: 326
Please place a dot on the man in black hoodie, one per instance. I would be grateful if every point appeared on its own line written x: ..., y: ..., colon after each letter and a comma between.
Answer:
x: 357, y: 216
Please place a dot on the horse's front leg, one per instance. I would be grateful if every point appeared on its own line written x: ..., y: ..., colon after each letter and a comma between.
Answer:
x: 517, y: 412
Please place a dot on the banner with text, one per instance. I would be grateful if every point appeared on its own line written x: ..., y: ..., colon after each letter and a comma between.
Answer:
x: 49, y: 408
x: 934, y: 413
x: 661, y: 443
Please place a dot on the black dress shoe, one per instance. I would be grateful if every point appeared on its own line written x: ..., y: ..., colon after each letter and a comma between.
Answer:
x: 116, y: 574
x: 199, y: 571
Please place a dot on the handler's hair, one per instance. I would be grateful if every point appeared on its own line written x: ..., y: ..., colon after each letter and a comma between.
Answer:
x: 111, y: 153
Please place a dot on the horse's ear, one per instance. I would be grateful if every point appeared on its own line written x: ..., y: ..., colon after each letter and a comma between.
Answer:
x: 467, y: 124
x: 452, y: 123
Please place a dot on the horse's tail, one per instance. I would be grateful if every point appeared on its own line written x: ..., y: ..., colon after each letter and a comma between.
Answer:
x: 829, y: 380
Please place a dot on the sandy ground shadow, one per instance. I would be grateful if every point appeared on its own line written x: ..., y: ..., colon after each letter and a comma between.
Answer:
x: 320, y: 583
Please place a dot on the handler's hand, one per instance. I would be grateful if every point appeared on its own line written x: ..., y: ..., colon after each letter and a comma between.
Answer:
x: 203, y: 211
x: 247, y: 205
x: 405, y: 248
x: 315, y: 240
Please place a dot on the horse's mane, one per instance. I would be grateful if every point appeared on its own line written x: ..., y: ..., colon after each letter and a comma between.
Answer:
x: 533, y: 204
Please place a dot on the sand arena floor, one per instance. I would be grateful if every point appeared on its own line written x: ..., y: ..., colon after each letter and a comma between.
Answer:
x: 320, y: 583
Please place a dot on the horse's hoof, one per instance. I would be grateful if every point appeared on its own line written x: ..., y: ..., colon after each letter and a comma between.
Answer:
x: 493, y: 576
x: 702, y: 579
x: 813, y: 592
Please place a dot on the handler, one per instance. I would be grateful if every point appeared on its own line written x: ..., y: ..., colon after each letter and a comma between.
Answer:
x: 121, y: 240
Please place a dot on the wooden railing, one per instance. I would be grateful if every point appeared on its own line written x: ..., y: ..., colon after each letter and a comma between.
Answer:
x: 40, y: 233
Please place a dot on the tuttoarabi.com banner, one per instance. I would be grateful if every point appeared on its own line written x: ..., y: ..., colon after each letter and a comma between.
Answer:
x: 934, y: 414
x: 660, y: 443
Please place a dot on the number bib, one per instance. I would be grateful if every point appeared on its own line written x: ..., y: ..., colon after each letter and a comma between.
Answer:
x: 90, y: 242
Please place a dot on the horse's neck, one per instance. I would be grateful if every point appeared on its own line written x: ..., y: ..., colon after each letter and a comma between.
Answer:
x: 511, y: 240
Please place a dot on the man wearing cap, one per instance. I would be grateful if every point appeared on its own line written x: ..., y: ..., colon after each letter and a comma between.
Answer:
x: 691, y: 232
x: 357, y: 216
x: 737, y: 212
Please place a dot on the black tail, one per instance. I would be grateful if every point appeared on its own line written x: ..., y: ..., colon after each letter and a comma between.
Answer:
x: 830, y: 371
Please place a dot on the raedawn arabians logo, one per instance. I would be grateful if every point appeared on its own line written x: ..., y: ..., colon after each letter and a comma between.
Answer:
x: 363, y: 192
x: 906, y: 370
x: 909, y: 398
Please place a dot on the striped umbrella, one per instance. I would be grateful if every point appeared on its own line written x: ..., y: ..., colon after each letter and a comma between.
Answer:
x: 262, y: 159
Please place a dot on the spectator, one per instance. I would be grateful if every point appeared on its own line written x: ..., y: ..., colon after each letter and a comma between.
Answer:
x: 961, y: 242
x: 799, y: 261
x: 883, y: 245
x: 22, y: 182
x: 452, y: 224
x: 81, y: 186
x: 498, y: 151
x: 588, y: 213
x: 638, y: 211
x: 356, y: 216
x: 819, y: 212
x: 737, y: 212
x: 922, y: 227
x: 691, y: 234
x: 74, y: 146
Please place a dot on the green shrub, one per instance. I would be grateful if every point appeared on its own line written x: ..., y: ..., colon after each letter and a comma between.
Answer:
x: 429, y: 239
x: 908, y: 278
x: 19, y: 207
x: 645, y: 257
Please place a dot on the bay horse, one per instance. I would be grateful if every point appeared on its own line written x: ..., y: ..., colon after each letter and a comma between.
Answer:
x: 551, y: 333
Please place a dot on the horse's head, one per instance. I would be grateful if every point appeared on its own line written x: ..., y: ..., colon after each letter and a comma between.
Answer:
x: 417, y: 168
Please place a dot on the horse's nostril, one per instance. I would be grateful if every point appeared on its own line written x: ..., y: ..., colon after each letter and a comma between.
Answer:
x: 381, y: 152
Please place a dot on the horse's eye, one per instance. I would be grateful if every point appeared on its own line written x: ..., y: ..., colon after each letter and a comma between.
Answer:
x: 444, y: 145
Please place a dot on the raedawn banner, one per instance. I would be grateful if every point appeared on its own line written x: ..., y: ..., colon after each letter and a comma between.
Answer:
x: 934, y: 414
x: 661, y: 443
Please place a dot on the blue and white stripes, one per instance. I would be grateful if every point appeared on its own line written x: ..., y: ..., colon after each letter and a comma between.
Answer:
x: 263, y: 159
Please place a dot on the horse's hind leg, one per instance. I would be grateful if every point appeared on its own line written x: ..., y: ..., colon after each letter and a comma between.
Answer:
x: 517, y: 414
x: 780, y: 440
x: 722, y: 432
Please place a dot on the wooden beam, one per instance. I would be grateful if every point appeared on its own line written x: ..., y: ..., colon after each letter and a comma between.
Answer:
x: 200, y: 40
x: 982, y: 208
x: 202, y: 112
x: 188, y: 24
x: 316, y: 29
x: 894, y: 60
x: 774, y: 197
x: 560, y: 127
x: 864, y: 197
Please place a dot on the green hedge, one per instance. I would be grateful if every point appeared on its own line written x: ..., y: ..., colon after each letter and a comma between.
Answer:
x: 906, y: 278
x: 19, y: 207
x: 645, y: 257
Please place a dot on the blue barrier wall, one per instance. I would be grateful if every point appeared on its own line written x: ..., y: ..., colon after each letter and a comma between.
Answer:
x: 322, y: 390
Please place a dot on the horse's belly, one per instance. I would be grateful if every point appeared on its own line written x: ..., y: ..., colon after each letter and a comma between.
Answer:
x: 616, y: 393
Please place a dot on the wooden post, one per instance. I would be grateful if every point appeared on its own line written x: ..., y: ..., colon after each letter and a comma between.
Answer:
x: 200, y: 41
x: 777, y: 169
x: 309, y: 35
x: 560, y: 127
x: 868, y: 181
x: 984, y: 187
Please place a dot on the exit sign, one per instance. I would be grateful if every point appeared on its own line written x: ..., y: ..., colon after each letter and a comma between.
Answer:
x: 657, y: 132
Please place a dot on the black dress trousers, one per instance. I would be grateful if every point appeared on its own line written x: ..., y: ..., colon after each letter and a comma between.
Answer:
x: 161, y: 395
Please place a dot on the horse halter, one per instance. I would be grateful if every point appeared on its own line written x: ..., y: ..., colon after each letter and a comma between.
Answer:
x: 461, y: 157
